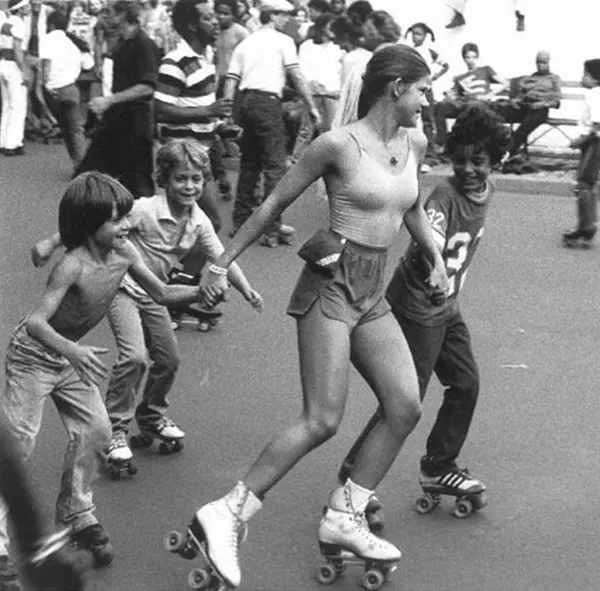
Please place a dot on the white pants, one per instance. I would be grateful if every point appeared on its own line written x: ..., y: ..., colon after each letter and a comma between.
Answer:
x: 14, y: 105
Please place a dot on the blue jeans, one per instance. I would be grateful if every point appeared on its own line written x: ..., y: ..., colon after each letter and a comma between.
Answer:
x: 34, y: 373
x: 142, y: 329
x: 262, y: 148
x: 65, y: 106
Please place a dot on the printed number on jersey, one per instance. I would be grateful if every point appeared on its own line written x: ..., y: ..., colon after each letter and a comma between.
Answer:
x: 456, y: 253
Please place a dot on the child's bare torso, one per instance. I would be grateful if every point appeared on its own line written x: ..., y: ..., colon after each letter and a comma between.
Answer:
x: 87, y: 301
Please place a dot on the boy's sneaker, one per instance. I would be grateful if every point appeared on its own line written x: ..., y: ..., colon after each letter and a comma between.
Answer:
x: 119, y: 450
x: 94, y: 539
x: 454, y: 482
x: 164, y: 427
x: 9, y: 576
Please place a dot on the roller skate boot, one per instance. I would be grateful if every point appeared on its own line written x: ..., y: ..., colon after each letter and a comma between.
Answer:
x: 95, y: 540
x: 345, y: 539
x: 118, y: 461
x: 216, y: 532
x: 9, y: 576
x: 164, y: 430
x: 578, y: 238
x: 468, y: 492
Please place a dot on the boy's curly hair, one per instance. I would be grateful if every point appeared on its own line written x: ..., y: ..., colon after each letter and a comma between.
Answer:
x: 177, y: 153
x: 478, y: 125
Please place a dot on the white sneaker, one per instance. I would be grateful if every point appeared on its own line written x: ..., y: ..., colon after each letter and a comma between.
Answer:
x: 119, y: 450
x: 222, y: 522
x: 166, y: 427
x: 350, y: 531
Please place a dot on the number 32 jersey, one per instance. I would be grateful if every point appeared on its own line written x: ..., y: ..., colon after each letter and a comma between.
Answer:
x: 458, y: 223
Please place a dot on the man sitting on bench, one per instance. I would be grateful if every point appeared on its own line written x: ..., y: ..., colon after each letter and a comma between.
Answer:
x: 531, y: 97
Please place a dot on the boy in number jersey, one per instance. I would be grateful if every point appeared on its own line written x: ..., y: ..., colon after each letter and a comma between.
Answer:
x: 435, y: 330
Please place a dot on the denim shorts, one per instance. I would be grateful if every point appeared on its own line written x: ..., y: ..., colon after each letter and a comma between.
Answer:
x: 354, y: 293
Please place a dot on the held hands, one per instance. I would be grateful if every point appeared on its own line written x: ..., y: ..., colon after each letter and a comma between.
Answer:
x: 213, y: 287
x: 87, y: 365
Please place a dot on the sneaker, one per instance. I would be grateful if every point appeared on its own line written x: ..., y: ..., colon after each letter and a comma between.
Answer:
x: 94, y: 539
x: 9, y: 576
x: 119, y: 450
x: 350, y: 531
x: 164, y: 428
x: 454, y: 482
x: 222, y: 524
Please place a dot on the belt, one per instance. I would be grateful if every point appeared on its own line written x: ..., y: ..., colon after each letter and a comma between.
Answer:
x: 7, y: 54
x: 261, y: 92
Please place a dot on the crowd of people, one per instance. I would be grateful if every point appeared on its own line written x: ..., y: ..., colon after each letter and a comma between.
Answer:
x: 298, y: 94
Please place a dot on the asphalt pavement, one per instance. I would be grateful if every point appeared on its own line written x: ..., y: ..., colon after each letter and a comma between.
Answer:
x: 531, y: 308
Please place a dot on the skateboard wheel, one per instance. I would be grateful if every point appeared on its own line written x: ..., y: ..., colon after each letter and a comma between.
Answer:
x: 463, y: 508
x: 327, y: 574
x: 198, y: 579
x: 426, y: 504
x: 372, y: 580
x: 174, y: 542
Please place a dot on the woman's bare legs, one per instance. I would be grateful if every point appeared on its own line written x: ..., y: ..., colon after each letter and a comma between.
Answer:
x: 324, y: 350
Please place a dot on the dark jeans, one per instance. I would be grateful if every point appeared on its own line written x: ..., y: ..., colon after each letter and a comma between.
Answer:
x: 528, y: 118
x: 587, y: 178
x: 122, y: 147
x: 445, y: 350
x: 64, y: 103
x: 262, y: 149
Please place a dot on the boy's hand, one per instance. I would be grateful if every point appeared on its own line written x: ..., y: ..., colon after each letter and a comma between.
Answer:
x: 41, y: 252
x: 438, y: 281
x: 221, y: 107
x: 254, y: 299
x: 213, y: 288
x: 87, y: 365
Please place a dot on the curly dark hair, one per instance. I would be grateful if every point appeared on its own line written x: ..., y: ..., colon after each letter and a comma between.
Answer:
x: 478, y: 125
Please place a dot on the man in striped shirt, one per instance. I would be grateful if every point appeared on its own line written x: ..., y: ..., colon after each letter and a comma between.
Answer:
x: 185, y: 100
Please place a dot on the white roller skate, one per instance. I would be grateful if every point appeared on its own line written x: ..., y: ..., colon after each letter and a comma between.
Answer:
x: 345, y: 539
x: 119, y: 457
x: 164, y: 430
x: 216, y: 531
x: 468, y: 492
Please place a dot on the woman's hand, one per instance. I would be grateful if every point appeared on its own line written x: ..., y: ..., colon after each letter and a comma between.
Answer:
x: 438, y: 281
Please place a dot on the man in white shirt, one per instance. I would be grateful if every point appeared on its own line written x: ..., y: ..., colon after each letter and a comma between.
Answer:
x: 258, y: 68
x: 13, y: 79
x: 61, y: 66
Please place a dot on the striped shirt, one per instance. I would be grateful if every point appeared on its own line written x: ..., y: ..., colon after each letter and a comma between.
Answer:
x: 187, y: 79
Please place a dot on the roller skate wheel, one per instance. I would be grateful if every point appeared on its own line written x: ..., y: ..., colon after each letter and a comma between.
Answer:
x: 114, y: 473
x: 164, y: 449
x: 426, y: 504
x: 177, y: 445
x: 463, y: 508
x: 141, y: 440
x: 132, y: 469
x: 372, y: 580
x: 198, y: 579
x: 479, y: 501
x: 327, y: 574
x: 204, y: 326
x: 174, y: 541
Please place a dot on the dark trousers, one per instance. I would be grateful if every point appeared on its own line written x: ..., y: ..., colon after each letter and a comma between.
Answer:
x: 529, y: 119
x: 445, y: 350
x: 587, y: 178
x: 122, y: 146
x: 262, y: 148
x: 65, y: 106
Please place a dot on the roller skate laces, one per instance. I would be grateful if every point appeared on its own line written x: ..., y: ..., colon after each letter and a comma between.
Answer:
x: 119, y: 450
x: 165, y: 428
x: 349, y: 530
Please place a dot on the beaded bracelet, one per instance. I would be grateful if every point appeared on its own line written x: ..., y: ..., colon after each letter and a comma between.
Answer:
x: 217, y: 270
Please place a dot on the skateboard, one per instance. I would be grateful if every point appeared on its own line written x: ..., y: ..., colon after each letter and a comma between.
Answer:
x: 465, y: 504
x: 118, y: 468
x: 188, y: 546
x: 375, y: 572
x: 146, y: 437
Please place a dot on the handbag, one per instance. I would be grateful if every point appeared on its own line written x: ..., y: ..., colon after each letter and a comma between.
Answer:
x: 323, y: 251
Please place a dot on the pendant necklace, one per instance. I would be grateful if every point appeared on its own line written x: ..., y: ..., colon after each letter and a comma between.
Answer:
x: 393, y: 160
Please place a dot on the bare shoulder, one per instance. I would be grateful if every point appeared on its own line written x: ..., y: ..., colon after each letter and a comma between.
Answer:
x: 68, y: 269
